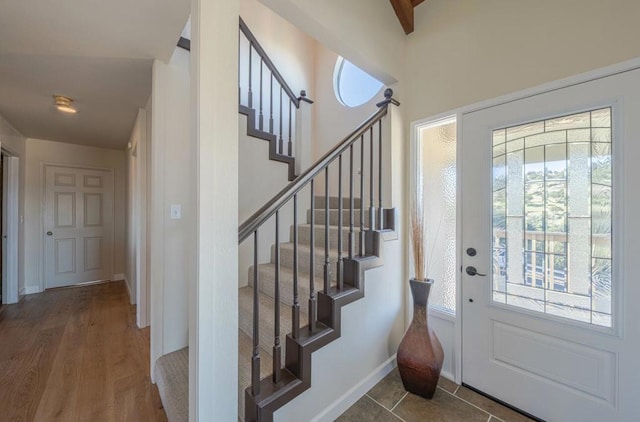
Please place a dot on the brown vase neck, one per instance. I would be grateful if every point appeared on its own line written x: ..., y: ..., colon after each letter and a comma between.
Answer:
x: 420, y: 291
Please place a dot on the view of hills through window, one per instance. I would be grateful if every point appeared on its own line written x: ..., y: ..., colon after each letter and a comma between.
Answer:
x: 552, y: 216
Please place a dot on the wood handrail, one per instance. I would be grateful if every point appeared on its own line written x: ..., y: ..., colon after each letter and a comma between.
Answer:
x: 267, y: 61
x: 286, y: 194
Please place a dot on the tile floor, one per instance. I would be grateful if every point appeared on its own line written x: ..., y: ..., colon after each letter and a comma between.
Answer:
x: 389, y: 402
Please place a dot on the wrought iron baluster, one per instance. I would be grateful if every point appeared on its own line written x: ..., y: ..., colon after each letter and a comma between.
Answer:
x: 380, y: 209
x: 290, y: 145
x: 260, y: 125
x: 280, y: 141
x: 327, y: 268
x: 372, y: 208
x: 277, y: 356
x: 352, y: 239
x: 339, y: 264
x: 250, y: 79
x: 296, y: 304
x: 313, y: 316
x: 255, y: 359
x: 271, y: 105
x: 362, y: 236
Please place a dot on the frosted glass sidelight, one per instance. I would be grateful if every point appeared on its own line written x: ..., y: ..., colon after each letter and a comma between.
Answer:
x: 552, y: 217
x: 437, y: 145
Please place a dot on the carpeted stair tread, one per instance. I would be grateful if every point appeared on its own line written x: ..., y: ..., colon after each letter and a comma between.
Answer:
x: 304, y: 251
x: 304, y: 236
x: 334, y: 217
x: 172, y: 379
x: 334, y: 202
x: 266, y: 277
x: 267, y: 306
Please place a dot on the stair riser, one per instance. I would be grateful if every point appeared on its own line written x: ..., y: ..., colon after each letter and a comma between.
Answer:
x: 286, y: 260
x: 304, y: 238
x: 267, y: 286
x: 334, y: 202
x: 333, y: 217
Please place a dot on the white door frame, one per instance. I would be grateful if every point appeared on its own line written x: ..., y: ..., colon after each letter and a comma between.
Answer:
x: 43, y: 203
x: 415, y: 127
x: 10, y: 227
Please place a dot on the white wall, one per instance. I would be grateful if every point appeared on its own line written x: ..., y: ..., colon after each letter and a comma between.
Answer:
x: 137, y: 213
x: 42, y: 151
x: 213, y: 322
x: 367, y: 32
x: 173, y: 181
x: 14, y: 142
x: 291, y: 50
x: 465, y: 51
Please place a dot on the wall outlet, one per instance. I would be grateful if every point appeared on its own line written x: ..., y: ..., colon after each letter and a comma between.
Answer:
x: 176, y: 211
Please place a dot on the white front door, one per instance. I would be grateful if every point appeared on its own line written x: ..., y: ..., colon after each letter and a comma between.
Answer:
x: 550, y: 203
x: 78, y: 225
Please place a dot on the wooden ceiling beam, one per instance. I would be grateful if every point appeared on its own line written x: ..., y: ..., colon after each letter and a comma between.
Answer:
x: 404, y: 12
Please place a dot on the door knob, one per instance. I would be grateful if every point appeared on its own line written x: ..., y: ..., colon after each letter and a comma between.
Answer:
x: 49, y: 233
x: 472, y: 271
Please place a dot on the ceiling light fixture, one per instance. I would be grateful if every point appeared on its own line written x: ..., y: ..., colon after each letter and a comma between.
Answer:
x: 64, y: 104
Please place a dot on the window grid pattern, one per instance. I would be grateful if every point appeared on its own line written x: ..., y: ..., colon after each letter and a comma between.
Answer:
x: 552, y: 208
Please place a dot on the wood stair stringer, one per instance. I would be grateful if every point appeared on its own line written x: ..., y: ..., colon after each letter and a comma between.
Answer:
x: 269, y: 137
x: 296, y: 375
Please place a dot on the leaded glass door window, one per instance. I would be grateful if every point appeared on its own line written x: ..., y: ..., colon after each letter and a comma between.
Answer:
x: 552, y: 216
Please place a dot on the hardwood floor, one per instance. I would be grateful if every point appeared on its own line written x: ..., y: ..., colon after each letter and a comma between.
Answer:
x: 76, y: 355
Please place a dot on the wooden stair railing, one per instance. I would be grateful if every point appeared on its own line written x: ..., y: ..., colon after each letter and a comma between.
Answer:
x: 273, y: 118
x: 264, y: 396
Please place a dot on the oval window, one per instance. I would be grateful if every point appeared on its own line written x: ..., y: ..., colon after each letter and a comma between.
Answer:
x: 352, y: 85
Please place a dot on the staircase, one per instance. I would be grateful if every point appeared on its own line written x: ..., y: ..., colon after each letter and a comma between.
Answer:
x: 292, y: 303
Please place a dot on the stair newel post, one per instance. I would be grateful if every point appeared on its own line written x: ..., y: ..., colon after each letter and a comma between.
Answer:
x: 290, y: 144
x: 260, y: 123
x: 296, y: 304
x: 362, y: 236
x: 280, y: 141
x: 372, y: 208
x: 352, y: 239
x: 313, y: 316
x: 276, y: 297
x: 339, y: 264
x: 327, y: 269
x: 380, y: 209
x: 255, y: 359
x: 250, y: 78
x: 271, y: 104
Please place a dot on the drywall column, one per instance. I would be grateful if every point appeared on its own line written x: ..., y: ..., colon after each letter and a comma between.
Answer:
x: 213, y: 339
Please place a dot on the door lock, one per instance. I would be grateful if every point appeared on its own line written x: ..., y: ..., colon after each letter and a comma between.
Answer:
x: 472, y: 251
x: 472, y: 271
x: 49, y: 233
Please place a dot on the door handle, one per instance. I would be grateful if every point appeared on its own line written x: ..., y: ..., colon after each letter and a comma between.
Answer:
x: 472, y: 271
x: 49, y: 233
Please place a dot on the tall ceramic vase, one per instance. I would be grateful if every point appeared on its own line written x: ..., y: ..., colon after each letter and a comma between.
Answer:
x: 420, y: 353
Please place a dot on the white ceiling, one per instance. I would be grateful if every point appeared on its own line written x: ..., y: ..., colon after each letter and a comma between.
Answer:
x: 98, y: 52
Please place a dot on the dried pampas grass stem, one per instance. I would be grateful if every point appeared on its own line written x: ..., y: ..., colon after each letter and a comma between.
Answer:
x: 418, y: 229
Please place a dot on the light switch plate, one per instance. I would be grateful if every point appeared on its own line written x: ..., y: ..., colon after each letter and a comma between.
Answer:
x: 176, y: 211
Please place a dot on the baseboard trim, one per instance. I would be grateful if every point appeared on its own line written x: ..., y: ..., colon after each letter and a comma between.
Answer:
x: 347, y: 400
x: 119, y: 277
x: 22, y: 292
x: 30, y: 290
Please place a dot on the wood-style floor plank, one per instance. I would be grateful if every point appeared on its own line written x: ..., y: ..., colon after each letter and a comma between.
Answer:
x: 76, y: 355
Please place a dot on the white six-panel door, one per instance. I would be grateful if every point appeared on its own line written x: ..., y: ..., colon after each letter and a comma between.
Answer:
x: 550, y: 202
x: 78, y: 226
